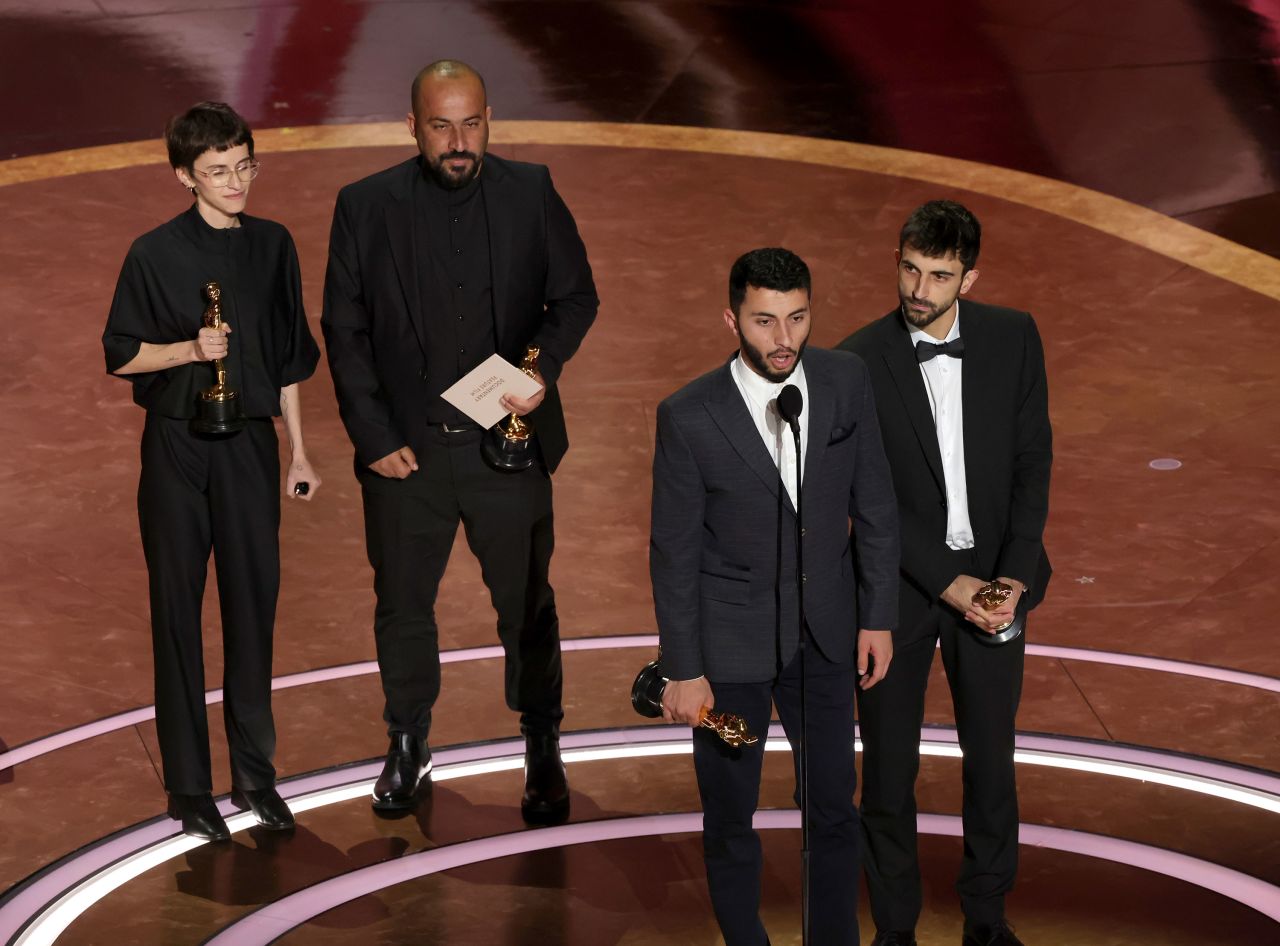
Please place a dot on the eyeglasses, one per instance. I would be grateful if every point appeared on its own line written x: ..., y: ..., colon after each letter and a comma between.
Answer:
x: 221, y: 176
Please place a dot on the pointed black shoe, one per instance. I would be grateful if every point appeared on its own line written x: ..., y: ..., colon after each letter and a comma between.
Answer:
x: 199, y: 817
x: 267, y: 806
x: 995, y: 934
x: 408, y: 766
x: 546, y: 787
x: 895, y: 938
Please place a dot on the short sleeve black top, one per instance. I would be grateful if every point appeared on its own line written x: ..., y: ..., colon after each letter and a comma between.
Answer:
x: 159, y: 299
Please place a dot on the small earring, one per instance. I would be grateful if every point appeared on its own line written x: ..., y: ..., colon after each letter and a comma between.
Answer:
x: 192, y: 188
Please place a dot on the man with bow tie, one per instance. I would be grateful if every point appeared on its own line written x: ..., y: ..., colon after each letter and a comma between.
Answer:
x: 963, y: 405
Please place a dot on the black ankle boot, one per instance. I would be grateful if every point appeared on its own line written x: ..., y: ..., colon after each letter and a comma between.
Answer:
x: 407, y: 767
x: 546, y: 787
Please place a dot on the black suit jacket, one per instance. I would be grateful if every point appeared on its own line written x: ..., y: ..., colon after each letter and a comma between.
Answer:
x: 374, y: 326
x: 1008, y: 448
x: 713, y: 553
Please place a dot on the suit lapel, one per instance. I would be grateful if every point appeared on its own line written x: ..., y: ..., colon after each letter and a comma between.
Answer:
x: 905, y: 371
x: 822, y: 412
x: 981, y: 360
x: 404, y: 251
x: 493, y: 181
x: 729, y: 412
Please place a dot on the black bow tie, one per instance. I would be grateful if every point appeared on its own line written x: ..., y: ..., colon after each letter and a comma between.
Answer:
x: 926, y: 350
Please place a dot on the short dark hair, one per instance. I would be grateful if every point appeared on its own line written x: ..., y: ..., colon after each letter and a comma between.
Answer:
x: 942, y: 227
x: 444, y: 69
x: 770, y: 267
x: 207, y: 125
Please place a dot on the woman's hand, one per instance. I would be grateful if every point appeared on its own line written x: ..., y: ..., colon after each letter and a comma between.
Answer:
x: 211, y: 343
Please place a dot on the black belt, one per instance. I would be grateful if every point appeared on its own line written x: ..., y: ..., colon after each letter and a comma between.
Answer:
x: 449, y: 427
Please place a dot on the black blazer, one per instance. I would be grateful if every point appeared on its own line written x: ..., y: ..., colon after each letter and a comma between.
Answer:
x: 374, y: 326
x: 1008, y: 448
x: 713, y: 553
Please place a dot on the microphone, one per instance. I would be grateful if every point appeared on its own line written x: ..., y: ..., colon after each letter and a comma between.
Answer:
x: 791, y: 406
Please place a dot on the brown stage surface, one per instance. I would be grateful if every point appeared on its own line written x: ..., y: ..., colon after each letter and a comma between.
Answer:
x: 1156, y: 347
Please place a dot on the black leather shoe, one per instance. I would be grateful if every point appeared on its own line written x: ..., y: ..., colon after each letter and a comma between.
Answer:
x: 408, y: 766
x: 268, y: 807
x: 546, y: 787
x: 199, y: 817
x: 895, y: 938
x: 995, y: 934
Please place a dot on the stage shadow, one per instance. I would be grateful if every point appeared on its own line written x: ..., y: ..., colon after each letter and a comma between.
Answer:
x: 615, y: 881
x: 596, y: 890
x: 274, y: 864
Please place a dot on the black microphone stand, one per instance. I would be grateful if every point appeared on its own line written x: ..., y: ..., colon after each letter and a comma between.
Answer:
x: 794, y: 423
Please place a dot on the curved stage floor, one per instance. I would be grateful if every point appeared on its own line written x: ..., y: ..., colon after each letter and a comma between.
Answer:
x: 1136, y: 312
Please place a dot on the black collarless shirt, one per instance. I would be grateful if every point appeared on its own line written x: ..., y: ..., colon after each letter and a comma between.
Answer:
x: 159, y: 299
x: 451, y: 244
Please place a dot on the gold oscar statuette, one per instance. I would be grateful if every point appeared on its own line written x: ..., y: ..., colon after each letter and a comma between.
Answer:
x: 990, y: 597
x: 732, y: 729
x: 217, y: 408
x: 508, y: 446
x: 646, y: 698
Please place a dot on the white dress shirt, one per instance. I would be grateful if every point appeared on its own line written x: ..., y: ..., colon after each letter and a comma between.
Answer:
x: 761, y: 396
x: 942, y: 386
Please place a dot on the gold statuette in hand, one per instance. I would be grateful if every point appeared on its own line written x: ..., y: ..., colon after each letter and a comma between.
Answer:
x: 732, y: 729
x: 991, y: 596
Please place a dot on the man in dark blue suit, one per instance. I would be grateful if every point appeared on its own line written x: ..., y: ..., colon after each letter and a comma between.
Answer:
x: 724, y: 583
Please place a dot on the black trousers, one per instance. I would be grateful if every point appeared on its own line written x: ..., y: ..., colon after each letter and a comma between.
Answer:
x: 410, y: 526
x: 986, y: 685
x: 729, y: 784
x: 200, y: 494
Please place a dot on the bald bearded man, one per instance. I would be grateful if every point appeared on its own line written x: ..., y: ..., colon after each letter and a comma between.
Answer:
x: 436, y: 264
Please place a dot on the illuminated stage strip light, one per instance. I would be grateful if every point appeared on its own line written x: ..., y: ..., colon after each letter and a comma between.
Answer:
x: 1161, y: 664
x: 70, y: 737
x: 56, y: 898
x: 276, y: 919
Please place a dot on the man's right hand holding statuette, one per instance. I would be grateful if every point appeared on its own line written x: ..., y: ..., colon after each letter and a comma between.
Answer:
x: 683, y: 700
x: 692, y: 702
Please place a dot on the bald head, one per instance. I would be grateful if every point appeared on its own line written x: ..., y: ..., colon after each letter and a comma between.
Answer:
x: 450, y: 121
x: 444, y: 70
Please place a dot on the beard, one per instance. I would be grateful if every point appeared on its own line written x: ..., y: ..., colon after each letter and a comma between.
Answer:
x: 448, y: 179
x: 927, y: 317
x: 759, y: 361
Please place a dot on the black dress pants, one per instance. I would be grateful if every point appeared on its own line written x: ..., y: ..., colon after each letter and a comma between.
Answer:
x: 986, y: 685
x: 410, y: 526
x: 222, y: 494
x: 729, y: 785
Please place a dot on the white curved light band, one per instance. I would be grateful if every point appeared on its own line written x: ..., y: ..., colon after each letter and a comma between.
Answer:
x: 69, y: 737
x: 270, y: 922
x: 53, y: 900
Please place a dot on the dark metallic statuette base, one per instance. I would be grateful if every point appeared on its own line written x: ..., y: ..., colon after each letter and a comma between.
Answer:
x: 504, y: 454
x: 221, y: 416
x: 1008, y: 633
x: 1003, y: 637
x: 646, y: 692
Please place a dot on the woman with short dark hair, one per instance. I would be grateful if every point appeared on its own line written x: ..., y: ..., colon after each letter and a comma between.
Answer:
x: 213, y: 484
